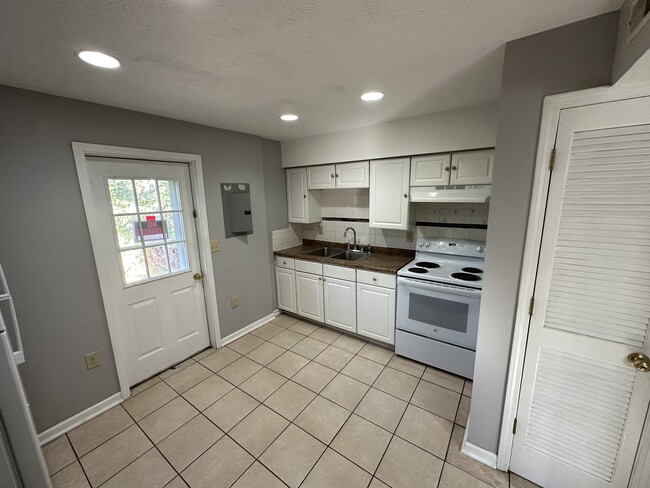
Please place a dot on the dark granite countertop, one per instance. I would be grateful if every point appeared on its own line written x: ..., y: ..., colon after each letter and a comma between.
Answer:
x: 381, y: 259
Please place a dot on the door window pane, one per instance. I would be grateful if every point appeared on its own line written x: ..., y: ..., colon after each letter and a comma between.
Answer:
x: 122, y: 198
x: 151, y: 244
x: 133, y: 266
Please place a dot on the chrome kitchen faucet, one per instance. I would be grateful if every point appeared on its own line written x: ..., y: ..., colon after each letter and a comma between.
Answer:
x: 345, y: 234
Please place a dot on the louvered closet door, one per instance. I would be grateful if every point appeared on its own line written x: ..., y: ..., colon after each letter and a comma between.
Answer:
x: 582, y: 406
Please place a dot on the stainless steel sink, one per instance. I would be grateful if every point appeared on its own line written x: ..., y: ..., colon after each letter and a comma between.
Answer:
x: 351, y: 255
x: 327, y: 252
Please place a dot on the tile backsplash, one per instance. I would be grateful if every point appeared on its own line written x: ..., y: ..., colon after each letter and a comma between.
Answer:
x: 430, y: 220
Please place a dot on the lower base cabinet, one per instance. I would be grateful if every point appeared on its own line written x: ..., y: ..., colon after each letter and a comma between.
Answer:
x: 376, y: 312
x: 285, y: 284
x: 339, y: 297
x: 309, y: 294
x: 340, y: 303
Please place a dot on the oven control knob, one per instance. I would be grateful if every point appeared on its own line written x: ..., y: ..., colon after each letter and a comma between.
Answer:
x: 428, y: 244
x: 480, y: 248
x: 421, y: 243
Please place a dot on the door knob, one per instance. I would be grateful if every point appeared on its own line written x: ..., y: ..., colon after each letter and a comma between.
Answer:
x: 640, y: 361
x: 197, y: 276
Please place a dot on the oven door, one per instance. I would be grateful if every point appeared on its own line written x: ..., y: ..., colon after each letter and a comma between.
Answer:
x: 444, y: 312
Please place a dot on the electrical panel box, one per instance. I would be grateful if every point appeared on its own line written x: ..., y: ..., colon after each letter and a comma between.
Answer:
x: 237, y: 213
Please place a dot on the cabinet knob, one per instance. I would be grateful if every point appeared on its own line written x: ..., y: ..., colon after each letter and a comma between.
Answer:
x: 304, y: 196
x: 337, y: 175
x: 446, y: 168
x: 320, y: 279
x: 374, y: 279
x: 454, y: 168
x: 324, y: 279
x: 406, y: 195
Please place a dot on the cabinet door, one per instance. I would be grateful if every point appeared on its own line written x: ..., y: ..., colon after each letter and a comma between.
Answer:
x: 297, y: 195
x: 321, y: 177
x: 285, y: 284
x: 431, y: 170
x: 376, y: 312
x: 340, y: 303
x: 309, y: 293
x: 472, y: 168
x: 389, y: 187
x: 353, y: 175
x: 303, y: 205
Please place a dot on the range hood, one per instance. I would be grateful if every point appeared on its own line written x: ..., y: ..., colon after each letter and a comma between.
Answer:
x: 446, y: 194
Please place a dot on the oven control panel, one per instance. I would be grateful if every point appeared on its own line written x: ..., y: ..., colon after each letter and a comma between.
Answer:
x: 458, y: 247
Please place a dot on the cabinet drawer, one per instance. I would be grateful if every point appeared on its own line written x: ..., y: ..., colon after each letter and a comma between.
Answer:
x: 281, y: 262
x: 309, y: 267
x: 379, y: 279
x: 339, y: 272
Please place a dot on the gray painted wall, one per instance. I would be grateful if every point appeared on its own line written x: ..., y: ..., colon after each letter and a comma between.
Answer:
x: 276, y: 197
x: 45, y: 246
x: 465, y: 128
x: 569, y: 58
x: 628, y: 53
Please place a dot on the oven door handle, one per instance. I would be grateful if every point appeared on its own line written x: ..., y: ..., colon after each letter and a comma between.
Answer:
x: 439, y: 287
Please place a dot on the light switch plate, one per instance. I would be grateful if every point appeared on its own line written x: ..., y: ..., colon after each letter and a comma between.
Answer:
x: 234, y: 302
x: 215, y: 245
x: 409, y: 236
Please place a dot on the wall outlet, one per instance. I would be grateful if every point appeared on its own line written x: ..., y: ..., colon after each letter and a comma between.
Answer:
x: 409, y: 236
x: 234, y: 302
x: 215, y: 245
x: 320, y: 230
x: 92, y: 360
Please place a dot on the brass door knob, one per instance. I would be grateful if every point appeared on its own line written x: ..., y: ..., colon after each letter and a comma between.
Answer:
x: 197, y: 276
x: 640, y: 361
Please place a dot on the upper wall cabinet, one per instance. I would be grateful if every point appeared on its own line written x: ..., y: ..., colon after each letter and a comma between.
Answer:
x: 303, y: 205
x: 472, y: 168
x: 346, y: 175
x: 389, y: 189
x: 430, y: 170
x: 466, y: 168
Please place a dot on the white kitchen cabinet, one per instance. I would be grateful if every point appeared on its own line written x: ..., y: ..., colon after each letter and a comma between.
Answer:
x: 353, y: 175
x: 376, y: 312
x: 472, y: 168
x: 345, y: 175
x: 340, y: 303
x: 431, y: 170
x: 389, y: 190
x: 321, y: 177
x: 303, y: 205
x: 309, y: 295
x: 285, y: 284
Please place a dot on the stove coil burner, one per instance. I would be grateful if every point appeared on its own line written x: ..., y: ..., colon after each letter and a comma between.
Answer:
x: 466, y: 277
x: 428, y: 265
x: 418, y: 270
x: 472, y: 270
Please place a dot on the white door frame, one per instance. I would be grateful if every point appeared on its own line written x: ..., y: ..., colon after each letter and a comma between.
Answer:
x: 553, y: 105
x: 81, y: 152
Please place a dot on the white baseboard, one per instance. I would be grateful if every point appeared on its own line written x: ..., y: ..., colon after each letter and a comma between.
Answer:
x: 78, y: 419
x: 259, y: 323
x: 479, y: 454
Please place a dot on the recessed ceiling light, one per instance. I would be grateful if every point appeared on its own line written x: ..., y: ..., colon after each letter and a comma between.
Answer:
x: 372, y: 96
x: 289, y: 117
x: 99, y: 59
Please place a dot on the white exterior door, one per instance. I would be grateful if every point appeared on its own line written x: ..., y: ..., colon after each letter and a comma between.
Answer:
x: 309, y: 293
x: 340, y: 303
x: 149, y: 253
x: 389, y: 189
x: 582, y: 404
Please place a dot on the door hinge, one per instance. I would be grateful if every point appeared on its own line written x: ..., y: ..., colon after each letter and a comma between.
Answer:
x: 194, y: 213
x: 514, y: 427
x: 531, y: 306
x: 551, y: 163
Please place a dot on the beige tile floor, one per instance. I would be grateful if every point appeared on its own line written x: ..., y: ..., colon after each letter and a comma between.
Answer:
x: 290, y: 404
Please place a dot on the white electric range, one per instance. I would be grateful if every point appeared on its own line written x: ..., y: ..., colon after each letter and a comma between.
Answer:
x: 438, y: 301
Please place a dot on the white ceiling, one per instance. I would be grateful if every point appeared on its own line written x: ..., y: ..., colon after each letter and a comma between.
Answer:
x: 238, y: 64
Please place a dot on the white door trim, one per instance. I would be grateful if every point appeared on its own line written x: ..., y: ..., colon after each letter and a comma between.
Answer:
x: 83, y: 150
x: 553, y: 105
